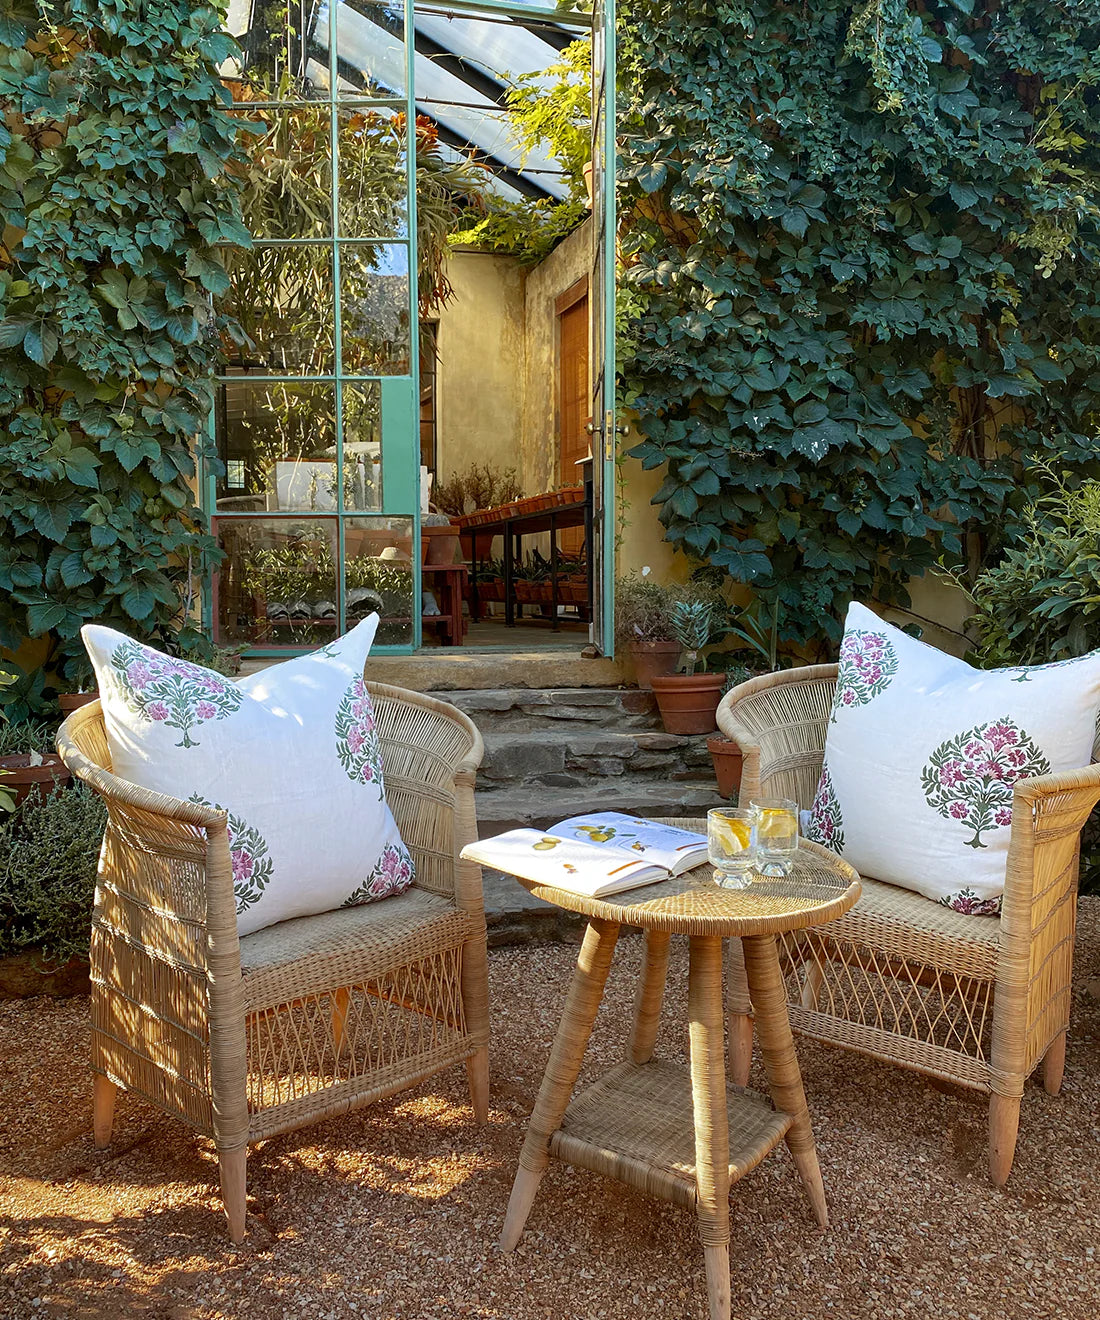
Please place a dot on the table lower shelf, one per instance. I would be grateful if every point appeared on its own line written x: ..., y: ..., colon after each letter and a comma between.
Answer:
x: 637, y: 1124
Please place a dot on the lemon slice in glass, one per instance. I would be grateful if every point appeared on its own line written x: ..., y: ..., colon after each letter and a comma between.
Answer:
x: 734, y: 835
x: 775, y: 823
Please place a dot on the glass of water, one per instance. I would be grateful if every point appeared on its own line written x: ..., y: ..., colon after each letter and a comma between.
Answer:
x: 776, y: 835
x: 731, y: 845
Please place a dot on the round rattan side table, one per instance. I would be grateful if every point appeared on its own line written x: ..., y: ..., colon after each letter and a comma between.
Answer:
x: 684, y: 1136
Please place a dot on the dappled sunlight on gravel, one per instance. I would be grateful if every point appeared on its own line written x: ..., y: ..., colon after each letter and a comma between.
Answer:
x: 394, y: 1211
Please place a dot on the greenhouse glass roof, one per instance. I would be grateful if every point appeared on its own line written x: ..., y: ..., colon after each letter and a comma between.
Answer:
x: 463, y: 65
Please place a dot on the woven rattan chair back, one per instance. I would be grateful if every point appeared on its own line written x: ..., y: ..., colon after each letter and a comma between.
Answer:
x: 976, y: 1001
x: 241, y: 1039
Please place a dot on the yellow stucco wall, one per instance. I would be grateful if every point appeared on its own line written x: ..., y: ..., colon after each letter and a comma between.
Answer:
x: 480, y: 371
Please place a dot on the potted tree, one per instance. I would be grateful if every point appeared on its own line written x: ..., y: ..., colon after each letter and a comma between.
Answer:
x: 688, y: 701
x: 643, y: 626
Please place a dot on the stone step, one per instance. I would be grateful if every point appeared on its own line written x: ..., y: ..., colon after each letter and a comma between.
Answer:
x: 569, y: 755
x: 539, y: 806
x: 499, y: 709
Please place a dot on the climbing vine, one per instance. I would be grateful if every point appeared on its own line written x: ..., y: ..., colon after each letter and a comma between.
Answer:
x: 862, y: 245
x: 114, y: 183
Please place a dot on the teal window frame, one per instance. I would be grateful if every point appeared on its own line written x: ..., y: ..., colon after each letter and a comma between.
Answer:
x: 400, y: 414
x: 400, y: 411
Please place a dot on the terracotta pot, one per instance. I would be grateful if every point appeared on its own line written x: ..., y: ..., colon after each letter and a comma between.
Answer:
x: 22, y: 779
x: 440, y: 545
x: 726, y: 756
x: 651, y: 659
x: 688, y: 702
x: 70, y: 701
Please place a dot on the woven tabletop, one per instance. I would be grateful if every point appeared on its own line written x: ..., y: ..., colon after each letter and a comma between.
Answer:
x: 820, y: 888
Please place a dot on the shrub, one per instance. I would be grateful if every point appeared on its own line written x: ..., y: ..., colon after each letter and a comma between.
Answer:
x: 49, y: 851
x: 861, y: 249
x: 1042, y: 601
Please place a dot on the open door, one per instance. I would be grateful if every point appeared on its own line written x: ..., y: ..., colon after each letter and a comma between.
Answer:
x: 602, y: 303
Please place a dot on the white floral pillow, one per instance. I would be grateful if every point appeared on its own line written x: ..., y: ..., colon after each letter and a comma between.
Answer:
x: 922, y: 753
x: 291, y: 753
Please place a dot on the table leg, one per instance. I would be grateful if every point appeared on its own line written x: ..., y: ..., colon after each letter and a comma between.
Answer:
x: 740, y: 1019
x: 773, y: 1029
x: 708, y: 1088
x: 648, y: 997
x: 562, y: 1069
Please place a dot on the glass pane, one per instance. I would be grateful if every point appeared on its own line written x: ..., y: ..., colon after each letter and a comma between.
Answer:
x: 363, y: 446
x: 283, y: 297
x: 373, y: 179
x: 378, y: 575
x: 374, y: 305
x: 278, y: 444
x: 287, y: 190
x: 277, y: 583
x: 285, y: 50
x: 370, y: 49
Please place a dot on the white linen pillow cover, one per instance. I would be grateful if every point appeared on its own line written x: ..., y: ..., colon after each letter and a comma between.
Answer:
x: 922, y: 751
x: 291, y: 753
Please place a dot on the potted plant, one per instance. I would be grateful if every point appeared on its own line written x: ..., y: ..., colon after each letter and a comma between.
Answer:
x: 28, y: 763
x: 688, y: 701
x: 725, y: 754
x: 643, y: 626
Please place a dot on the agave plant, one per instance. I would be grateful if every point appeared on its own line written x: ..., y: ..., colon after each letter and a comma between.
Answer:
x: 693, y: 627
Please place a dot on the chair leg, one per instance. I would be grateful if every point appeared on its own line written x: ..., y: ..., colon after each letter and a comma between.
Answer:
x: 103, y: 1109
x: 1004, y: 1123
x: 231, y: 1166
x: 1054, y: 1065
x: 477, y: 1073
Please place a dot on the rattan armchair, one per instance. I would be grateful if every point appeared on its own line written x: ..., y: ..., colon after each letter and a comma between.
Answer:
x: 976, y: 1001
x: 243, y: 1038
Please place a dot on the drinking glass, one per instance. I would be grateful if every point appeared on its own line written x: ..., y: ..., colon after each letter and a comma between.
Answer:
x: 776, y: 834
x: 731, y: 845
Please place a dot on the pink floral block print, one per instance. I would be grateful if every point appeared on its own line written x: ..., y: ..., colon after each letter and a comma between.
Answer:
x: 969, y: 777
x: 968, y: 903
x: 172, y: 692
x: 826, y: 822
x: 248, y: 852
x: 392, y: 874
x: 357, y: 742
x: 867, y: 664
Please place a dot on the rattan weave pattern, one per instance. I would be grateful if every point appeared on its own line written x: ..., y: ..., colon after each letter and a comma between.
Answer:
x: 820, y: 887
x: 972, y: 1000
x: 306, y: 1019
x: 637, y: 1124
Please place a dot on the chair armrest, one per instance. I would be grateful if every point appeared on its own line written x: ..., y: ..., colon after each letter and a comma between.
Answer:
x: 164, y: 937
x: 1039, y: 911
x: 430, y: 755
x: 779, y: 721
x: 164, y: 858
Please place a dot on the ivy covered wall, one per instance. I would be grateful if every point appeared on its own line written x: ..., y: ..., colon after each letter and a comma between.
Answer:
x: 861, y: 247
x: 115, y: 187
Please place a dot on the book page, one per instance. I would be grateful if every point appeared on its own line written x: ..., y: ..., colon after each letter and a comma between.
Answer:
x: 572, y: 864
x: 675, y: 849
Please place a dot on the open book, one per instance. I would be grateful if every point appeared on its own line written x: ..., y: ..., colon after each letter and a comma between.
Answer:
x: 594, y: 854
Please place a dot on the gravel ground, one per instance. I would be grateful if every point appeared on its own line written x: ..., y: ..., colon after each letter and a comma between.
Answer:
x: 394, y: 1211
